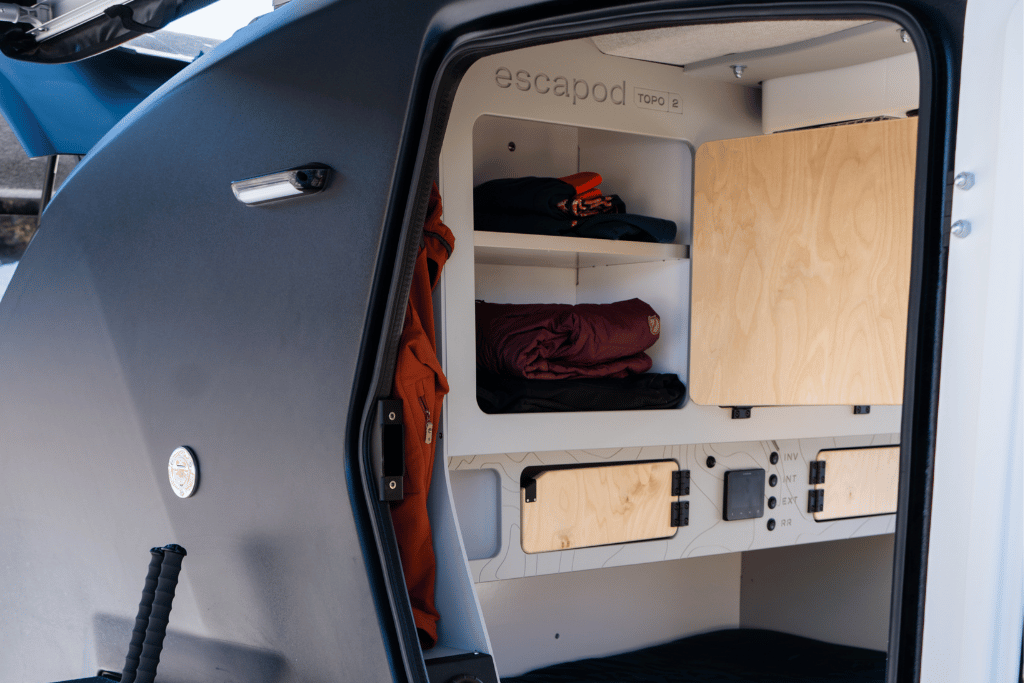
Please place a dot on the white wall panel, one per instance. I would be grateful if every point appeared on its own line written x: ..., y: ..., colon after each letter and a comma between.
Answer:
x: 838, y: 592
x: 544, y: 620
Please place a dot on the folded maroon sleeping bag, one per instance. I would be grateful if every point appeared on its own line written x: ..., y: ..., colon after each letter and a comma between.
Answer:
x: 561, y: 341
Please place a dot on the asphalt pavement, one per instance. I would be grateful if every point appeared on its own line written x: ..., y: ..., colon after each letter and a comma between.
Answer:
x: 20, y: 177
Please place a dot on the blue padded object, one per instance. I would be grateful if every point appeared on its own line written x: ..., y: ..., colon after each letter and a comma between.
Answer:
x: 67, y: 108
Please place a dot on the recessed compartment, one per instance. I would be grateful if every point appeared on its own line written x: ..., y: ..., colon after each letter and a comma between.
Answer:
x: 652, y: 175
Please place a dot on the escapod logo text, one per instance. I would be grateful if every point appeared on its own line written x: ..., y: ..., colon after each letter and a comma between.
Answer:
x: 560, y: 86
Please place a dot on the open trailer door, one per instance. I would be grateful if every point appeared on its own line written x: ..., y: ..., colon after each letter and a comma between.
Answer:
x: 154, y: 310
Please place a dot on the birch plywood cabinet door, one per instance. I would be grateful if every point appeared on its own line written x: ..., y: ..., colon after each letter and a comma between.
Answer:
x: 580, y: 507
x: 858, y: 482
x: 801, y: 266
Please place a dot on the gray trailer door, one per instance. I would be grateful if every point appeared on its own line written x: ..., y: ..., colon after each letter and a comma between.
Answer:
x: 153, y: 310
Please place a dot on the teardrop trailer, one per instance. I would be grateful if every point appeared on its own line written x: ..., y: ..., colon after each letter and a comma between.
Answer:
x: 158, y: 309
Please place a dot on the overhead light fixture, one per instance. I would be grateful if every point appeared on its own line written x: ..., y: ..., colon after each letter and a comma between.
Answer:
x: 274, y: 187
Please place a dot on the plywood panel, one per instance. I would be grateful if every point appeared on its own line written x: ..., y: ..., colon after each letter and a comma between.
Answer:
x: 801, y: 266
x: 589, y: 506
x: 859, y: 482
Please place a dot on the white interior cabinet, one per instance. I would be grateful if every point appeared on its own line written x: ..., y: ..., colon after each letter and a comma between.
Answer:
x: 646, y: 157
x: 639, y: 126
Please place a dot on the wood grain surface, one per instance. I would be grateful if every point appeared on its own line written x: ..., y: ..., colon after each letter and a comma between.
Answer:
x: 801, y: 266
x: 588, y: 506
x: 859, y: 482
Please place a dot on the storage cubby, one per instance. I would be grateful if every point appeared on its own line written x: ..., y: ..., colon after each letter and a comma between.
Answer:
x: 836, y: 592
x: 650, y: 174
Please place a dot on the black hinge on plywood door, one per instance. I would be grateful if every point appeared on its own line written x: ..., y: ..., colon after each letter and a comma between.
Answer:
x: 681, y: 483
x: 817, y: 472
x: 681, y: 513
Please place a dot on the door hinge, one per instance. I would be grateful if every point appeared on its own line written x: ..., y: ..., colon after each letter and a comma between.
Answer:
x: 681, y: 513
x: 681, y: 483
x: 818, y: 472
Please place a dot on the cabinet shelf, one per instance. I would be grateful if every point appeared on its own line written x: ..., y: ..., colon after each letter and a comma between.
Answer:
x: 513, y: 249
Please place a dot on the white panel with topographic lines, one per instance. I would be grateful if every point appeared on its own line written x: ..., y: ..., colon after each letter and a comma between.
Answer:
x: 707, y: 533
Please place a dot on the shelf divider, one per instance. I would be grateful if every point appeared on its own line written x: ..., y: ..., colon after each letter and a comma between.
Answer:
x: 513, y: 249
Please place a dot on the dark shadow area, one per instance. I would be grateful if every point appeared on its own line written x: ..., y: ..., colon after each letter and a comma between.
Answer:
x: 188, y: 659
x: 16, y: 232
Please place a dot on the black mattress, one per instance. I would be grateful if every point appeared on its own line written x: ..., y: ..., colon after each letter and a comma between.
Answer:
x: 729, y: 656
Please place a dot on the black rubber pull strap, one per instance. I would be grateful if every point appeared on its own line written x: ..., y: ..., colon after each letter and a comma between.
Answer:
x: 159, y: 616
x: 131, y: 662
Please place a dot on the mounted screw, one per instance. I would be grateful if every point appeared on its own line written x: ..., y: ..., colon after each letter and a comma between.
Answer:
x: 737, y: 70
x: 964, y: 181
x: 961, y: 229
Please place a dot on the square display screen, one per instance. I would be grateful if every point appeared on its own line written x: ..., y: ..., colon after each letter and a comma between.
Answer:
x: 744, y: 495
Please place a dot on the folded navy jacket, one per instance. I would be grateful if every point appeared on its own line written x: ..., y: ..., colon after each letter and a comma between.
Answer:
x: 562, y: 341
x: 529, y: 195
x: 648, y: 391
x: 551, y: 206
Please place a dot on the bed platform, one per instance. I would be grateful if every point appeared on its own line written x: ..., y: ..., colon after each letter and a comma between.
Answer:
x: 727, y: 656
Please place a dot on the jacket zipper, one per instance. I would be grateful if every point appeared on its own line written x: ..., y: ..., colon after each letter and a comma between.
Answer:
x: 443, y: 241
x: 430, y: 425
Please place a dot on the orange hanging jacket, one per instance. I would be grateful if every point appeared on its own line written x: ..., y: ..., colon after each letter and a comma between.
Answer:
x: 421, y: 385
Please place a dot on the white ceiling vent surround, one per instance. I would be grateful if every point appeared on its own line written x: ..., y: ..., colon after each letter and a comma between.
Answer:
x: 886, y: 87
x: 682, y: 45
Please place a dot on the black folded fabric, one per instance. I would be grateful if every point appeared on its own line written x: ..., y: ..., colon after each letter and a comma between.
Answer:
x: 529, y: 195
x: 626, y: 226
x: 534, y: 206
x: 649, y: 391
x: 727, y: 656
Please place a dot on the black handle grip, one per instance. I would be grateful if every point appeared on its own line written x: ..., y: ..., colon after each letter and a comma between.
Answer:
x: 131, y: 662
x: 160, y: 614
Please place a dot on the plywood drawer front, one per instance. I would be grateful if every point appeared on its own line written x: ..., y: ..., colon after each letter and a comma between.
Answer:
x: 801, y: 266
x: 590, y: 506
x: 859, y: 482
